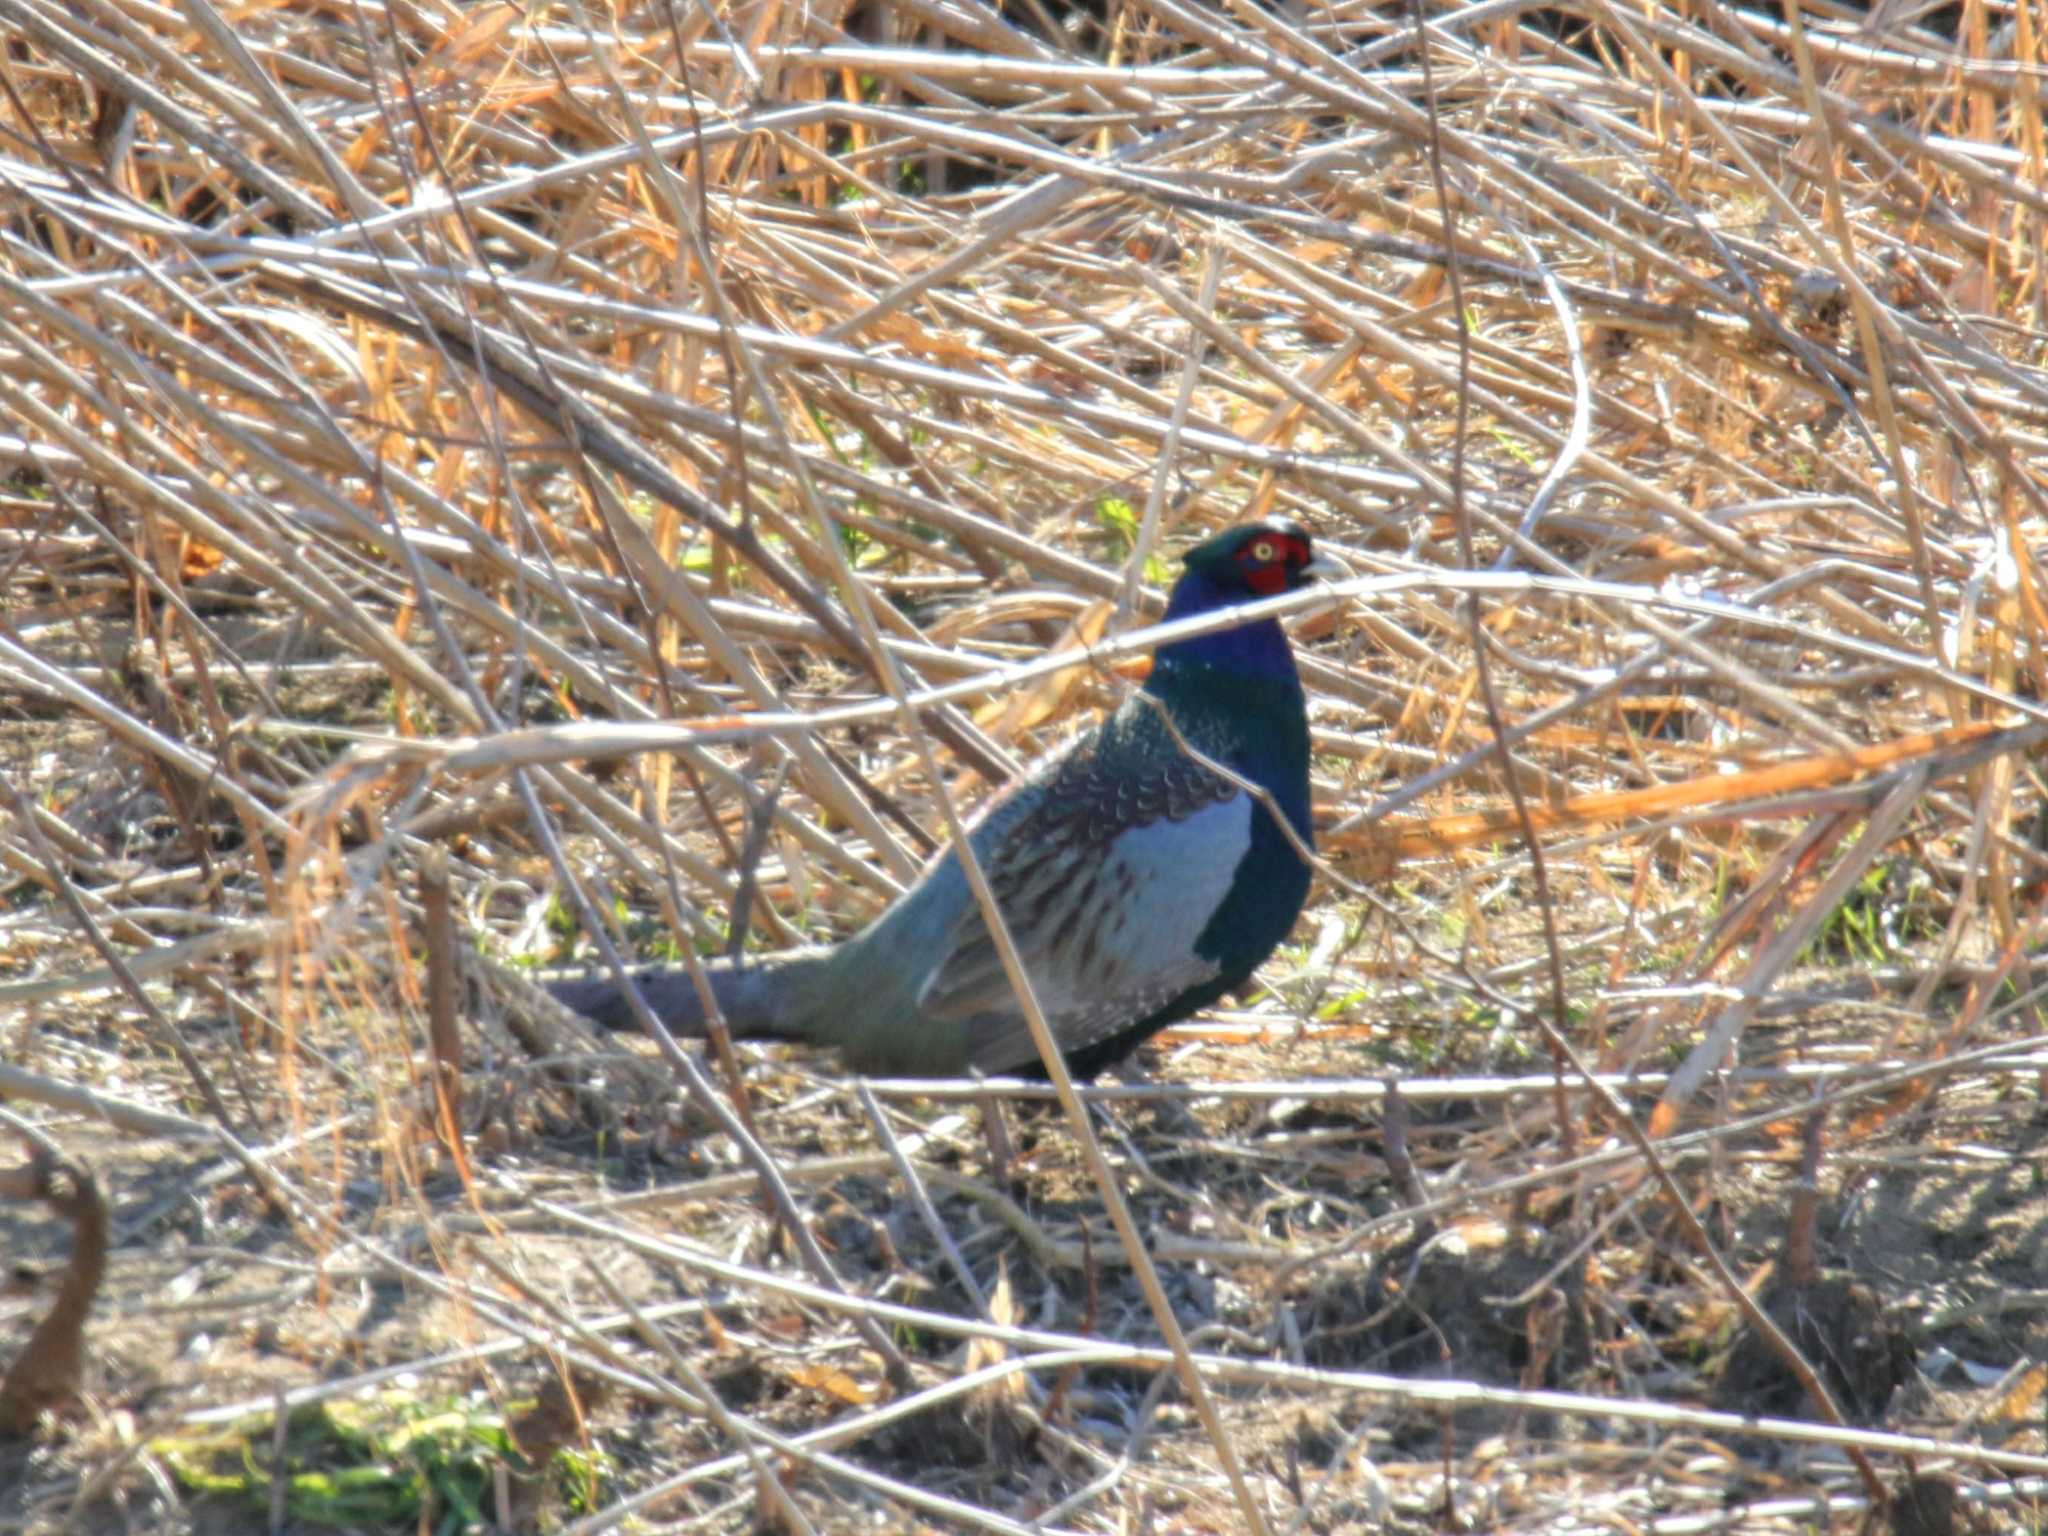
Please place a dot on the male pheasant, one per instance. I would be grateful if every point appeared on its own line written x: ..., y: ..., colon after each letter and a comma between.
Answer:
x: 1139, y: 883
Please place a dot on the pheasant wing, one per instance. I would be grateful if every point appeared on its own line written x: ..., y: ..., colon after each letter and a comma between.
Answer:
x: 1106, y: 875
x: 999, y: 1041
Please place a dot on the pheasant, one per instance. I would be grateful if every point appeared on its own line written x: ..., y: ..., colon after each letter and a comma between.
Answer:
x: 1139, y: 883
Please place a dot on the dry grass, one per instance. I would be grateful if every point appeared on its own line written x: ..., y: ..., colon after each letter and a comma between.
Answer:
x: 665, y: 452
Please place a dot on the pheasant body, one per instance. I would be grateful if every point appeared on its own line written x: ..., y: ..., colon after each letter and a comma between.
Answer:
x: 1139, y: 883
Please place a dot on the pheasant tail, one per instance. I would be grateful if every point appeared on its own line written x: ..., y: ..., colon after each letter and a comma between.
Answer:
x: 764, y: 999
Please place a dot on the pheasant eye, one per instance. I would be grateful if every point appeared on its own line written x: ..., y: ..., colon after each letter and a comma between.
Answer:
x: 1263, y: 551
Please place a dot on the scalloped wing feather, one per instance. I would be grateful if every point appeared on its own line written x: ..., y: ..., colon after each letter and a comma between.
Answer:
x: 1105, y: 923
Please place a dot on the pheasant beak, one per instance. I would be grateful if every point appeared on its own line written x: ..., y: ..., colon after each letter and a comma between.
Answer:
x: 1322, y: 567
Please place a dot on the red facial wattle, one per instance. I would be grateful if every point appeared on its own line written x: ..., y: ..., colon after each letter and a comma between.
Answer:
x: 1265, y: 580
x: 1269, y: 562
